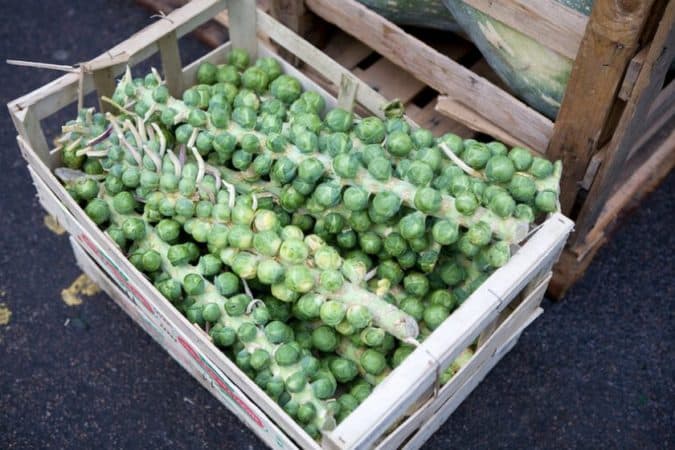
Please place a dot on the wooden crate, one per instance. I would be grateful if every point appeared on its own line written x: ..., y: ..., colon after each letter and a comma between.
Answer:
x: 617, y: 97
x: 408, y: 405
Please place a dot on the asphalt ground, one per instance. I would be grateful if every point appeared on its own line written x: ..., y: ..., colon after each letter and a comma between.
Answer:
x: 594, y: 371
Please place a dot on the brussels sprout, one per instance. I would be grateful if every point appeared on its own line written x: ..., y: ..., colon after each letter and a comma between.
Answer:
x: 524, y: 212
x: 373, y: 362
x: 419, y: 173
x: 260, y: 359
x: 416, y: 284
x: 211, y: 312
x: 443, y: 298
x: 247, y: 332
x: 372, y: 336
x: 541, y: 168
x: 223, y: 336
x: 452, y: 273
x: 466, y: 203
x: 299, y: 278
x: 399, y: 143
x: 270, y: 271
x: 245, y: 265
x: 466, y: 247
x: 193, y: 284
x: 502, y: 204
x: 209, y: 265
x: 380, y: 168
x: 460, y: 183
x: 327, y: 194
x: 522, y: 188
x: 194, y: 314
x: 206, y: 73
x: 240, y: 236
x: 355, y: 198
x: 308, y: 306
x: 445, y: 232
x: 521, y: 158
x: 476, y: 155
x: 347, y: 239
x: 255, y: 79
x: 479, y: 234
x: 345, y: 165
x: 278, y: 332
x: 244, y: 116
x: 239, y: 58
x: 390, y: 270
x: 291, y: 232
x: 428, y: 200
x: 133, y: 228
x: 331, y: 280
x: 500, y: 169
x: 332, y: 312
x: 370, y: 130
x: 358, y: 316
x: 229, y: 74
x: 400, y: 354
x: 434, y: 315
x: 412, y: 225
x: 394, y: 244
x: 293, y: 251
x: 267, y: 242
x: 343, y: 369
x: 422, y: 138
x: 324, y: 338
x: 498, y: 254
x: 339, y: 120
x: 361, y: 390
x: 283, y: 171
x: 546, y: 201
x: 453, y: 142
x: 286, y: 88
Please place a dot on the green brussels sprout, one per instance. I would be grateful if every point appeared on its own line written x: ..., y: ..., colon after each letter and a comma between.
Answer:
x: 283, y: 171
x: 541, y: 168
x: 345, y: 165
x: 479, y: 234
x: 337, y: 143
x: 466, y: 247
x: 223, y: 336
x: 360, y: 390
x: 293, y: 251
x: 339, y: 120
x: 380, y: 168
x: 524, y: 212
x: 394, y: 124
x: 522, y: 188
x: 270, y: 272
x: 416, y: 284
x: 373, y: 362
x: 290, y: 199
x: 113, y: 184
x: 347, y: 239
x: 310, y: 365
x: 193, y: 284
x: 276, y: 142
x: 399, y: 143
x: 327, y: 194
x: 255, y: 79
x: 497, y: 148
x: 291, y: 232
x: 211, y: 312
x: 278, y: 332
x: 247, y: 332
x: 370, y: 130
x: 241, y: 237
x: 460, y: 183
x: 331, y: 280
x: 452, y: 273
x: 92, y: 167
x: 299, y: 278
x: 308, y: 306
x: 355, y: 198
x: 306, y: 413
x: 343, y: 369
x: 521, y: 158
x: 372, y: 336
x: 445, y: 232
x: 303, y: 221
x: 267, y: 242
x: 500, y: 169
x: 332, y: 312
x: 453, y: 142
x: 358, y: 316
x: 217, y: 237
x: 224, y: 144
x: 422, y: 138
x: 244, y: 116
x: 466, y: 203
x: 428, y: 200
x: 502, y: 204
x: 546, y: 201
x: 194, y: 314
x: 178, y: 255
x: 286, y: 88
x: 131, y: 178
x: 386, y: 204
x: 133, y: 228
x: 209, y: 265
x: 434, y: 316
x: 443, y: 298
x: 242, y: 359
x: 476, y: 155
x: 412, y: 225
x: 260, y: 359
x: 117, y: 235
x: 229, y: 74
x: 419, y: 173
x: 310, y: 170
x: 324, y: 338
x: 150, y: 261
x: 239, y: 58
x: 306, y: 141
x: 372, y: 151
x: 370, y: 242
x: 324, y: 384
x: 334, y: 222
x: 206, y: 73
x: 498, y: 254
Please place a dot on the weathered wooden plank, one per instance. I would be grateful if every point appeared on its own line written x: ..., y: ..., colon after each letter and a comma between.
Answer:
x: 647, y: 87
x: 433, y: 68
x: 171, y: 63
x: 242, y: 15
x: 548, y: 22
x: 634, y: 67
x: 611, y: 40
x: 28, y: 126
x: 439, y: 124
x: 390, y: 81
x: 346, y: 50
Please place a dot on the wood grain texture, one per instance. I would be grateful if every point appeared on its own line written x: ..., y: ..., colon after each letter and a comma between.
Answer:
x: 548, y: 22
x: 632, y: 123
x: 171, y: 63
x: 433, y: 68
x: 610, y: 41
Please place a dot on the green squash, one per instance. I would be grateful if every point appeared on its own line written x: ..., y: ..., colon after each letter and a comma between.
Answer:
x: 418, y: 13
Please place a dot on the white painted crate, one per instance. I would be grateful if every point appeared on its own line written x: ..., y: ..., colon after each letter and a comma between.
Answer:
x: 408, y: 405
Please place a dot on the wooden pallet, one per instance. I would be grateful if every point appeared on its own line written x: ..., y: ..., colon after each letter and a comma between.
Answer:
x: 408, y: 404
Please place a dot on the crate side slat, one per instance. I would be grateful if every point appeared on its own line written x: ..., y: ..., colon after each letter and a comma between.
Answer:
x: 435, y: 422
x: 274, y: 439
x: 436, y: 70
x: 63, y: 91
x: 172, y: 65
x: 503, y: 332
x: 242, y: 25
x: 77, y: 219
x: 27, y: 123
x: 547, y: 22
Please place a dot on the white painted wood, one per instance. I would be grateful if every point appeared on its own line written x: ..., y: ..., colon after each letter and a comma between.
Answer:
x: 347, y: 92
x: 242, y: 25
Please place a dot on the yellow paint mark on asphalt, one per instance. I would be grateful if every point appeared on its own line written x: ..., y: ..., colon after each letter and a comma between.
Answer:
x: 53, y: 225
x: 82, y: 286
x: 5, y: 314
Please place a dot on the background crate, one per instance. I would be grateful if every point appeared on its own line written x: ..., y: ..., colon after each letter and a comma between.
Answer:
x: 408, y: 404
